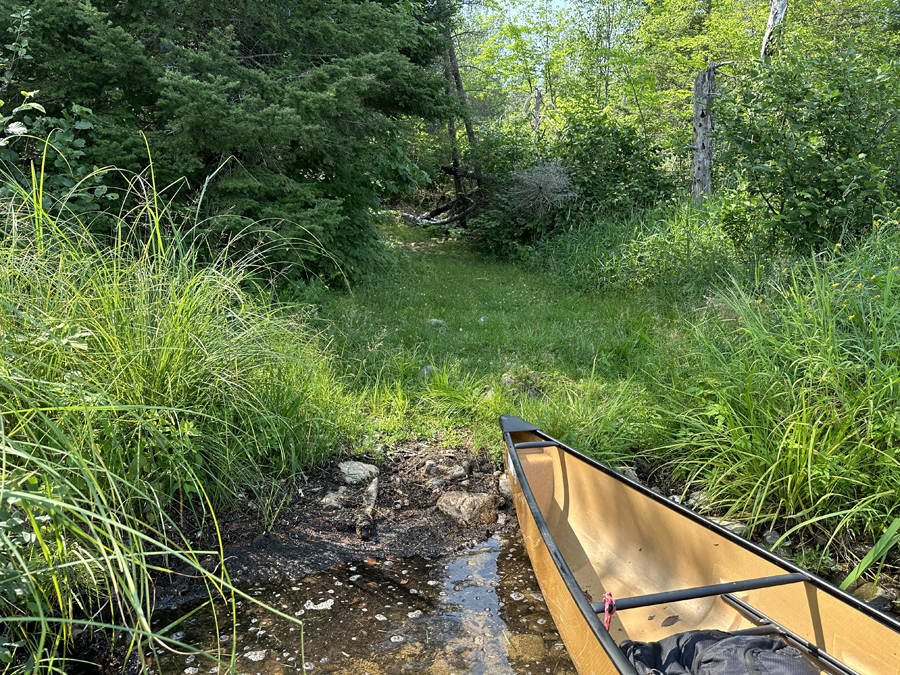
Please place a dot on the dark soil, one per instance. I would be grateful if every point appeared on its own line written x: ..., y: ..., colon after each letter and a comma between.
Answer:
x: 306, y: 536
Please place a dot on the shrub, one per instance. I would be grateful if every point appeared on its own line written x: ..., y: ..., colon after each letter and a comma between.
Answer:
x: 812, y: 144
x: 613, y: 167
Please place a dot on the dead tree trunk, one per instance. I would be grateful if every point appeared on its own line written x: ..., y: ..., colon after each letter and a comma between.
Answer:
x: 777, y: 11
x: 701, y: 164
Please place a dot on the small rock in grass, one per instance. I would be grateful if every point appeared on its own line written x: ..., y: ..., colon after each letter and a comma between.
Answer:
x: 771, y: 538
x: 733, y: 526
x: 437, y: 324
x: 436, y: 483
x: 357, y: 472
x: 631, y: 475
x: 469, y: 508
x: 428, y: 372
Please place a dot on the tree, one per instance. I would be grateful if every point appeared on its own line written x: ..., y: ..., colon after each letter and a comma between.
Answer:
x: 295, y: 111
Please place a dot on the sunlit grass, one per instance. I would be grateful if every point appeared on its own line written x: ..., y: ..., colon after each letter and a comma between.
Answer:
x: 140, y: 390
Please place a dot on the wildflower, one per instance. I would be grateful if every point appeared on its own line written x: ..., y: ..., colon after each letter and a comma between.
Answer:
x: 837, y: 246
x: 835, y: 285
x: 859, y: 285
x: 873, y: 277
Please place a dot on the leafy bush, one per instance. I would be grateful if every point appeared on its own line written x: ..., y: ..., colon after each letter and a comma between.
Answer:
x: 813, y: 145
x: 593, y: 166
x: 613, y: 167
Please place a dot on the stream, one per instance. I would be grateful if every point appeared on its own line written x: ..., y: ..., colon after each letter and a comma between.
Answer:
x: 477, y: 611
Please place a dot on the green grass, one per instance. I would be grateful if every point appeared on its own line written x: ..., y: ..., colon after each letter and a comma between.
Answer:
x: 138, y: 388
x: 509, y: 340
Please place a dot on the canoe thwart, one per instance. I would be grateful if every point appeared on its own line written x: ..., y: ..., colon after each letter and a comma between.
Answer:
x: 823, y: 658
x: 702, y: 592
x: 536, y: 444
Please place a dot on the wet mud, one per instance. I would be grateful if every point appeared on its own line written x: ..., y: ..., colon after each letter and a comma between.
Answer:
x: 475, y: 611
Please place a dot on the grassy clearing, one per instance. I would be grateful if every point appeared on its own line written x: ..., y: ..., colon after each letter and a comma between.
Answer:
x: 503, y: 339
x: 768, y: 382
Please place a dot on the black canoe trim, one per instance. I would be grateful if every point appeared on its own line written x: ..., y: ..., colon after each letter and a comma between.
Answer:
x: 702, y: 592
x: 511, y: 424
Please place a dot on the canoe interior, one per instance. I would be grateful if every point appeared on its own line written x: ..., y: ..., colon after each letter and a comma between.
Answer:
x: 618, y: 539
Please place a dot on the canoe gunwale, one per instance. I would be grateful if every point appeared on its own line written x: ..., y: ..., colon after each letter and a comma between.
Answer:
x: 510, y: 424
x: 622, y: 664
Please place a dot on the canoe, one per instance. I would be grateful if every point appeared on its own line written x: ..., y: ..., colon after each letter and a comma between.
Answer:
x: 590, y: 530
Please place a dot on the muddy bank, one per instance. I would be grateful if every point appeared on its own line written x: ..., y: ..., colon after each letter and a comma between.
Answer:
x: 316, y: 524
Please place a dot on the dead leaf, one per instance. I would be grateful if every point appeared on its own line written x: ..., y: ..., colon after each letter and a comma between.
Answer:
x: 405, y: 581
x: 370, y: 561
x: 354, y: 601
x: 670, y: 621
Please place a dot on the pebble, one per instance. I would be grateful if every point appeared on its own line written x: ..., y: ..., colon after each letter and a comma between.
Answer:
x: 257, y: 655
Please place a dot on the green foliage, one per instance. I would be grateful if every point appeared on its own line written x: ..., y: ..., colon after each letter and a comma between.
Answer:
x: 613, y: 167
x: 794, y: 415
x: 609, y: 169
x: 675, y: 246
x: 811, y: 145
x: 301, y: 102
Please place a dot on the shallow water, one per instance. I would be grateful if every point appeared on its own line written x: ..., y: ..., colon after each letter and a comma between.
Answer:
x: 478, y: 611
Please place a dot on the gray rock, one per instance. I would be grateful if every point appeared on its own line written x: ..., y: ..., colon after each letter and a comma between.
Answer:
x: 333, y: 500
x: 734, y: 526
x: 436, y: 483
x: 504, y: 486
x: 771, y: 538
x: 508, y: 382
x: 437, y: 324
x: 631, y: 475
x: 698, y: 498
x: 428, y: 372
x: 431, y: 468
x: 482, y: 319
x: 357, y: 472
x: 475, y: 508
x: 465, y: 483
x: 454, y: 472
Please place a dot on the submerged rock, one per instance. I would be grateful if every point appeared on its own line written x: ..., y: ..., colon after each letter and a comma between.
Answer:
x: 477, y: 508
x: 357, y: 472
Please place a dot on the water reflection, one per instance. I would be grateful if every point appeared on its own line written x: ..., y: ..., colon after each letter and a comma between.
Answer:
x: 479, y: 611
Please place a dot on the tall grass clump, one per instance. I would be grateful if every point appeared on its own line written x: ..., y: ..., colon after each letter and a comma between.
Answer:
x: 672, y: 245
x: 138, y: 388
x: 794, y: 415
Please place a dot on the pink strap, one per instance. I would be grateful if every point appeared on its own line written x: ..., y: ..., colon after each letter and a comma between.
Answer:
x: 609, y: 608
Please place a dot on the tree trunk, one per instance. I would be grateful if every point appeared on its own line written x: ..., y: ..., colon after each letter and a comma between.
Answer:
x: 701, y: 165
x: 461, y: 93
x: 777, y: 10
x: 537, y: 98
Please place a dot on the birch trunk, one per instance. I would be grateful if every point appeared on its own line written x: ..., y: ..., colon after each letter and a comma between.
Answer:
x: 777, y: 11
